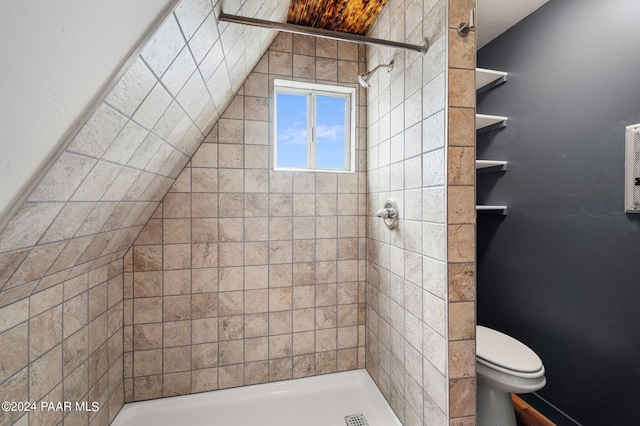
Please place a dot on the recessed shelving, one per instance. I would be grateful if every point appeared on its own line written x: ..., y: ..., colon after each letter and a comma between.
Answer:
x: 487, y: 80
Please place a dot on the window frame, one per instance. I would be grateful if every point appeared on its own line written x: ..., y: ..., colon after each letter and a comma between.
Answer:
x: 312, y: 91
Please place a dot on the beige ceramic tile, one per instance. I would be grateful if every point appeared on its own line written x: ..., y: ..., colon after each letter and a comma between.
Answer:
x: 257, y: 108
x: 304, y: 66
x: 462, y: 284
x: 204, y: 380
x: 9, y: 262
x: 204, y: 305
x: 461, y: 243
x: 176, y: 384
x: 45, y: 331
x: 326, y: 362
x: 462, y: 321
x: 176, y: 359
x: 461, y: 204
x: 463, y: 397
x: 45, y: 373
x: 99, y: 131
x: 63, y: 178
x: 204, y: 355
x: 280, y: 369
x: 230, y: 376
x: 147, y: 336
x: 36, y: 264
x: 326, y: 48
x: 461, y: 93
x: 283, y: 42
x: 45, y: 300
x: 281, y: 63
x: 304, y: 45
x: 176, y: 205
x: 147, y: 284
x: 461, y: 166
x: 231, y: 278
x: 176, y: 256
x: 204, y: 330
x: 147, y: 387
x: 462, y: 359
x: 147, y: 258
x: 147, y: 310
x: 17, y: 347
x: 461, y: 126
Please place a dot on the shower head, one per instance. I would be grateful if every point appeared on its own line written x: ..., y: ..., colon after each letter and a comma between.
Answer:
x: 363, y: 79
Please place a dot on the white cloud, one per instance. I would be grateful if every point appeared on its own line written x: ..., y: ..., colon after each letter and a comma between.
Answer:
x: 295, y: 135
x: 332, y: 133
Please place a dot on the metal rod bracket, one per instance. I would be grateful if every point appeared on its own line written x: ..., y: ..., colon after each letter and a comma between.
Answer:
x: 464, y: 28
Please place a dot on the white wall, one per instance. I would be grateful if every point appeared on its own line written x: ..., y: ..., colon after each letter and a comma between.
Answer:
x: 56, y: 57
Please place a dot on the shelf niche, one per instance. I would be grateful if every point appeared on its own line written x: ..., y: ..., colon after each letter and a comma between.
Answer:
x: 487, y: 80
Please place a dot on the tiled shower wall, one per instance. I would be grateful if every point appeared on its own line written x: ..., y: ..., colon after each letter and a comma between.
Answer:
x: 406, y: 275
x: 420, y: 347
x: 65, y: 344
x: 244, y: 274
x: 61, y: 271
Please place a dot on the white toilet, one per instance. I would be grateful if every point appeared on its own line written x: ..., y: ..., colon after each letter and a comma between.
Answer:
x: 504, y: 366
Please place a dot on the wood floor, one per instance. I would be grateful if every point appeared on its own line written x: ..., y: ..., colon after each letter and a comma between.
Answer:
x: 526, y: 415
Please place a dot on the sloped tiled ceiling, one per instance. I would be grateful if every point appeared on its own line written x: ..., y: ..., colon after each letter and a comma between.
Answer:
x: 91, y: 203
x: 88, y: 206
x: 349, y: 16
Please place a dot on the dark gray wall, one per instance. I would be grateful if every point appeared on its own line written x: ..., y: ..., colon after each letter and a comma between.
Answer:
x: 561, y: 272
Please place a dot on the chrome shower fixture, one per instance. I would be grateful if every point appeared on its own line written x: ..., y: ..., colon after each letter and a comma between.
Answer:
x: 363, y: 79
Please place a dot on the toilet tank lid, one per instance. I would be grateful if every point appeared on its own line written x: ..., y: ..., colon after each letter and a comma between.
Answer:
x: 505, y: 351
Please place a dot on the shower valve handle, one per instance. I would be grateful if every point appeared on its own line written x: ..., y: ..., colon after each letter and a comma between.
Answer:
x: 389, y: 214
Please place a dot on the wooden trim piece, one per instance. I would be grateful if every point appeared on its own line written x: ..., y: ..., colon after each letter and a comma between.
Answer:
x: 526, y: 415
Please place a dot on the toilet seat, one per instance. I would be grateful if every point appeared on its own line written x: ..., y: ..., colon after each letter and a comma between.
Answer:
x: 533, y: 375
x: 506, y: 354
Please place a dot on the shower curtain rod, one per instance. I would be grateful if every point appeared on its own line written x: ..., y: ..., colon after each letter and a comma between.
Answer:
x: 320, y: 32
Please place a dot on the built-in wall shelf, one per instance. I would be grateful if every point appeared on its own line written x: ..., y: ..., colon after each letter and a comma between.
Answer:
x: 488, y: 79
x: 487, y: 123
x: 496, y: 210
x: 491, y: 166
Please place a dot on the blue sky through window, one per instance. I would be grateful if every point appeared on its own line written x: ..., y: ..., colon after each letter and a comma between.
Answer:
x: 291, y: 131
x: 330, y: 137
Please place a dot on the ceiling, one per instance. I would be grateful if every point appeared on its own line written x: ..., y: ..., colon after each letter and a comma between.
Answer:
x: 493, y: 17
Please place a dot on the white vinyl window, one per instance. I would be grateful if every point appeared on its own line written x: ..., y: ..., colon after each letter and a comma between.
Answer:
x: 314, y: 126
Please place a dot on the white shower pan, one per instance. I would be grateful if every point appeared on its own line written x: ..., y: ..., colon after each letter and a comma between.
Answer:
x: 313, y: 401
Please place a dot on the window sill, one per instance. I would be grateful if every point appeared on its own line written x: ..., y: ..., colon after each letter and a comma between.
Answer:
x: 284, y: 169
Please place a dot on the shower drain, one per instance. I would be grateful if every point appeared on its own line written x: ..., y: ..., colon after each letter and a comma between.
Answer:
x: 356, y: 420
